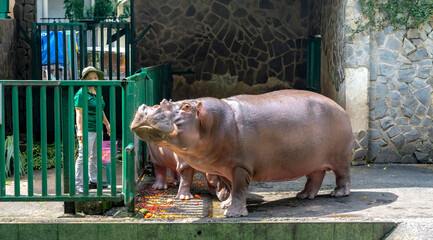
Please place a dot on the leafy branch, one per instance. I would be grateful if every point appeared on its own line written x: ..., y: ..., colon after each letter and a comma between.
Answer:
x: 396, y: 13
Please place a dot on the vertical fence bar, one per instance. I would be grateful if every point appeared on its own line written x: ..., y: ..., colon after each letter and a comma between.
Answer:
x: 118, y: 49
x: 65, y: 55
x: 81, y: 51
x: 84, y: 49
x: 102, y: 46
x: 2, y: 143
x: 113, y: 149
x: 48, y: 52
x: 127, y: 49
x: 71, y: 140
x: 94, y: 45
x: 99, y: 137
x: 29, y: 120
x: 39, y: 52
x: 44, y: 139
x: 110, y: 51
x: 72, y: 51
x: 56, y: 38
x: 57, y: 129
x: 16, y: 132
x: 85, y: 141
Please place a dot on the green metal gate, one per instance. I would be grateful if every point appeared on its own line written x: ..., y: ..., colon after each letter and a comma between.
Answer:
x: 61, y: 50
x: 64, y: 140
x: 148, y: 86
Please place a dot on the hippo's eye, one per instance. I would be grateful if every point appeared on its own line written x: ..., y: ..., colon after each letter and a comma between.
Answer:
x: 186, y: 107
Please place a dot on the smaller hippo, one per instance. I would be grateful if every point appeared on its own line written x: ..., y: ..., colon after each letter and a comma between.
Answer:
x: 182, y: 174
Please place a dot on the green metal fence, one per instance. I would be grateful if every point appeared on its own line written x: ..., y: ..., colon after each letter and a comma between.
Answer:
x: 64, y: 140
x: 156, y: 77
x: 105, y: 45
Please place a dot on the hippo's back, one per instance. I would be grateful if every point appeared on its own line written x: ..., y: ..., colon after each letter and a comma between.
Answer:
x: 292, y: 129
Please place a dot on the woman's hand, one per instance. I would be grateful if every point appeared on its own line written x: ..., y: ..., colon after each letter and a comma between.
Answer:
x: 107, y: 125
x: 80, y: 136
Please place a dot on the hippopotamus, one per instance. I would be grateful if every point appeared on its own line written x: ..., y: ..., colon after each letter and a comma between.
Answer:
x: 182, y: 174
x: 276, y: 136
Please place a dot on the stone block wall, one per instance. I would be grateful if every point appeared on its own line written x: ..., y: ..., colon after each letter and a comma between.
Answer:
x: 24, y: 14
x: 331, y: 24
x: 401, y: 81
x: 8, y: 47
x: 249, y: 42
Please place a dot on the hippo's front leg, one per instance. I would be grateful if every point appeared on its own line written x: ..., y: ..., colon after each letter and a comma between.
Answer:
x: 240, y: 183
x: 186, y: 178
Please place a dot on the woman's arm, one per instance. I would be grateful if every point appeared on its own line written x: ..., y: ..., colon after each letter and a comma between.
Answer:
x: 106, y: 123
x: 79, y: 113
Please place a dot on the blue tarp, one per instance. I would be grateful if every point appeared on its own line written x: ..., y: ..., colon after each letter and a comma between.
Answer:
x: 44, y: 47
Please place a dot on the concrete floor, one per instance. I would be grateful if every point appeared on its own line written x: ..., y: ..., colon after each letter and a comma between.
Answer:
x: 381, y: 192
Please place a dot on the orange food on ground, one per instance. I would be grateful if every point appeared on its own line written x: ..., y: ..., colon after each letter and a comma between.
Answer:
x: 197, y: 196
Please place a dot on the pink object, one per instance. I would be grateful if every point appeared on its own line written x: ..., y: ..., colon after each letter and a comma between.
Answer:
x: 106, y: 151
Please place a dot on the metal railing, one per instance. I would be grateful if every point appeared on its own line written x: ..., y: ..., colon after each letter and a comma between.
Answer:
x: 62, y: 50
x: 64, y: 140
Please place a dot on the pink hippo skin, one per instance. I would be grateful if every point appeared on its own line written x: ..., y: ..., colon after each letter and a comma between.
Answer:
x: 182, y: 174
x: 277, y: 136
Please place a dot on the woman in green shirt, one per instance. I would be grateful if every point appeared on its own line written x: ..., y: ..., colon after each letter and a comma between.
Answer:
x: 89, y: 73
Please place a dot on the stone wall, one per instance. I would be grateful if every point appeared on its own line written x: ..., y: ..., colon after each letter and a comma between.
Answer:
x: 7, y: 45
x: 401, y: 82
x: 332, y: 62
x: 248, y: 42
x: 24, y: 14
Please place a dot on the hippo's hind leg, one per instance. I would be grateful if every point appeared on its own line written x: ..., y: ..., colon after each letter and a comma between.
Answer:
x: 342, y: 175
x: 312, y: 187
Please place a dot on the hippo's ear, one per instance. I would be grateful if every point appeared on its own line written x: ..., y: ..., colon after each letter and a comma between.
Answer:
x: 203, y: 116
x: 165, y: 105
x: 198, y: 107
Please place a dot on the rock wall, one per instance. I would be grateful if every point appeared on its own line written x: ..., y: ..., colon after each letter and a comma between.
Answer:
x: 249, y: 42
x: 24, y: 14
x: 8, y: 47
x: 332, y: 23
x: 401, y: 81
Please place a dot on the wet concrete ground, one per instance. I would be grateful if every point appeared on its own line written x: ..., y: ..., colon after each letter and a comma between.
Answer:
x: 399, y: 193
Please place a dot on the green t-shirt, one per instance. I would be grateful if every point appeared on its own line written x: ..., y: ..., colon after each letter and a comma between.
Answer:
x: 91, y: 106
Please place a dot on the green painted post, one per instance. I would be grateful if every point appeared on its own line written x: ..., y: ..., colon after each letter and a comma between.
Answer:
x: 99, y: 137
x: 16, y: 131
x: 48, y: 52
x: 44, y: 139
x: 101, y: 25
x: 4, y: 9
x: 57, y: 129
x: 113, y: 130
x: 56, y: 44
x: 65, y: 65
x: 110, y: 52
x: 29, y: 120
x: 71, y: 140
x: 128, y: 103
x: 118, y: 50
x: 2, y: 143
x: 85, y: 142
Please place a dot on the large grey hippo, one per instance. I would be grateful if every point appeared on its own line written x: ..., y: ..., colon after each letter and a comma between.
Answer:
x: 277, y: 136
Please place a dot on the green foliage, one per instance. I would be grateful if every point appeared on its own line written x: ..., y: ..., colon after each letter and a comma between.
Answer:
x: 73, y: 9
x: 9, y: 147
x: 396, y: 13
x: 102, y: 9
x: 37, y: 157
